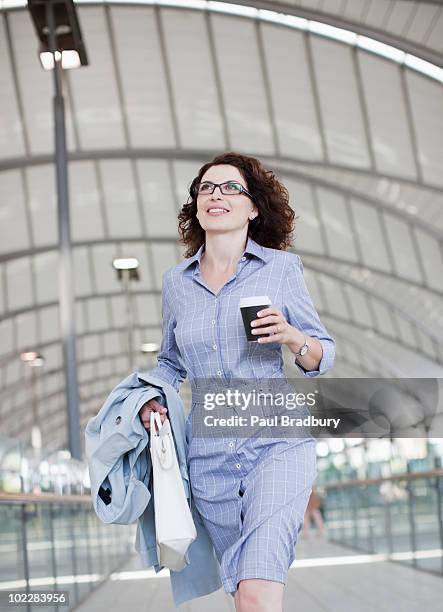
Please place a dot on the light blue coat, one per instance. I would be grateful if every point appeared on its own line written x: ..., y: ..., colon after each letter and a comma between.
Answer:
x: 119, y: 463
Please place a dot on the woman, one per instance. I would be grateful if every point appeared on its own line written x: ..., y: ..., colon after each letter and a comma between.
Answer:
x: 313, y: 512
x: 251, y: 493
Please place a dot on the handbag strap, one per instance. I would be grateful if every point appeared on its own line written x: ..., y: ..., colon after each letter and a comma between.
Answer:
x: 156, y: 423
x: 162, y: 432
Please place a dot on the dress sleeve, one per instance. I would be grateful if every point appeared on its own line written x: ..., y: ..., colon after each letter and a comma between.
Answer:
x: 300, y: 312
x: 169, y: 363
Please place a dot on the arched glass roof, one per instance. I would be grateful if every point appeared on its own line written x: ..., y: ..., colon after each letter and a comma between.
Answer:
x: 356, y: 137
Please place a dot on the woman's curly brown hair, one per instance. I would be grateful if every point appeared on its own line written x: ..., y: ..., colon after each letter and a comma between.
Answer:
x: 272, y: 227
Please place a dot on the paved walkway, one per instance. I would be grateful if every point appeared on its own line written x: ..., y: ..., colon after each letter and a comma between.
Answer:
x: 327, y: 578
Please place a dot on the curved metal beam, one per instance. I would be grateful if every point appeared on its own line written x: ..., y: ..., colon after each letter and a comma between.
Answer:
x: 166, y: 240
x: 341, y: 320
x: 314, y: 181
x: 415, y: 321
x: 388, y: 367
x: 404, y: 44
x: 200, y: 157
x: 316, y: 268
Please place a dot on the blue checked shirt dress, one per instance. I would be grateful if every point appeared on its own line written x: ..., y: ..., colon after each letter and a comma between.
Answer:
x: 251, y: 492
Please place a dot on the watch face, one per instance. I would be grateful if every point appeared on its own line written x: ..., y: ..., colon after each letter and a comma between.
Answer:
x: 304, y: 350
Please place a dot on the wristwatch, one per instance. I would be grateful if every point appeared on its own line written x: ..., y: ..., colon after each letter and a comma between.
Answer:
x: 304, y: 349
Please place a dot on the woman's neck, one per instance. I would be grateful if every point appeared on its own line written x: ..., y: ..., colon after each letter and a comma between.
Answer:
x: 223, y: 251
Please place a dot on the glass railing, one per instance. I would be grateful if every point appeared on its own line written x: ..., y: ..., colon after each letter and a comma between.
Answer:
x: 57, y: 543
x: 399, y: 516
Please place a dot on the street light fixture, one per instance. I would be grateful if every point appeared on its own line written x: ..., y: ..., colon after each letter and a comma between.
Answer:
x: 69, y: 47
x: 150, y: 349
x: 127, y: 271
x: 59, y: 35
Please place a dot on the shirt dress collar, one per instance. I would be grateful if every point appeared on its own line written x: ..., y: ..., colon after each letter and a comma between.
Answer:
x: 252, y: 247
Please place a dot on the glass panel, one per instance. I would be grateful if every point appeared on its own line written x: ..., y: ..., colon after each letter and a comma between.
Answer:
x: 369, y: 233
x: 402, y: 248
x: 14, y: 224
x: 82, y: 274
x: 64, y: 550
x: 340, y: 236
x: 19, y: 284
x: 164, y: 256
x: 122, y: 211
x: 84, y: 197
x: 11, y: 128
x: 359, y: 306
x: 388, y: 120
x: 118, y: 310
x: 147, y: 310
x: 106, y: 280
x: 42, y: 203
x: 12, y: 563
x: 337, y: 305
x: 49, y: 324
x: 141, y: 251
x: 340, y: 103
x: 431, y: 254
x: 98, y: 112
x: 97, y: 309
x: 111, y: 343
x: 141, y: 70
x: 45, y: 272
x: 26, y: 326
x: 427, y: 113
x: 243, y: 89
x: 384, y: 320
x: 197, y: 103
x: 308, y: 235
x: 291, y: 92
x: 160, y: 205
x: 34, y: 83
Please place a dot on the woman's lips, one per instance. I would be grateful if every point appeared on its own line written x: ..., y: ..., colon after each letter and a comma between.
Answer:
x: 216, y: 214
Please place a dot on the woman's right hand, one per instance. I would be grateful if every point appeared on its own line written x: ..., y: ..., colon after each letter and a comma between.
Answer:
x: 146, y: 409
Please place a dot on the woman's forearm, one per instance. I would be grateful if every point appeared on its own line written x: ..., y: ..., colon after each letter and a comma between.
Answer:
x: 311, y: 360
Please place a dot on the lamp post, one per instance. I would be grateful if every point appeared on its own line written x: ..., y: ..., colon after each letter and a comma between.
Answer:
x: 151, y: 349
x: 61, y: 45
x: 34, y: 360
x: 127, y: 270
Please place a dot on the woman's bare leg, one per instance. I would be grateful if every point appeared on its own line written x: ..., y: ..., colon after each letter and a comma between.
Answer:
x: 318, y: 520
x: 257, y: 595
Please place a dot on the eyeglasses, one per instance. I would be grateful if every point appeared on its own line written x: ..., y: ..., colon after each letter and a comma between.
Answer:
x: 228, y: 188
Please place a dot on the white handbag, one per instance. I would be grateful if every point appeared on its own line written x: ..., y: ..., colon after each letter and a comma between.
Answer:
x: 174, y: 525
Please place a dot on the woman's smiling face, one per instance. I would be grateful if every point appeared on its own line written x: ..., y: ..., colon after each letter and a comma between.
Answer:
x: 236, y: 207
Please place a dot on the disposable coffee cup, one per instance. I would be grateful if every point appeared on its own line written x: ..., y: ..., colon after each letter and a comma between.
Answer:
x: 249, y: 306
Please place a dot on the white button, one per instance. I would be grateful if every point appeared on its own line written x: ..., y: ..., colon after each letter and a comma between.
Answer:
x: 243, y: 258
x: 231, y: 444
x: 219, y: 373
x: 238, y: 466
x: 213, y: 321
x: 214, y: 346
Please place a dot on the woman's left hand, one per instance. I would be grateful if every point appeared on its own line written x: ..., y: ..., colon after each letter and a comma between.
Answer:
x: 282, y: 331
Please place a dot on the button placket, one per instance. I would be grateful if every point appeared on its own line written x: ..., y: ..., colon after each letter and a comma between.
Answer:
x: 216, y: 338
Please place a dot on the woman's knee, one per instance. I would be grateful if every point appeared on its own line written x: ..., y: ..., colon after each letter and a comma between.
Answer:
x: 248, y: 598
x: 259, y: 596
